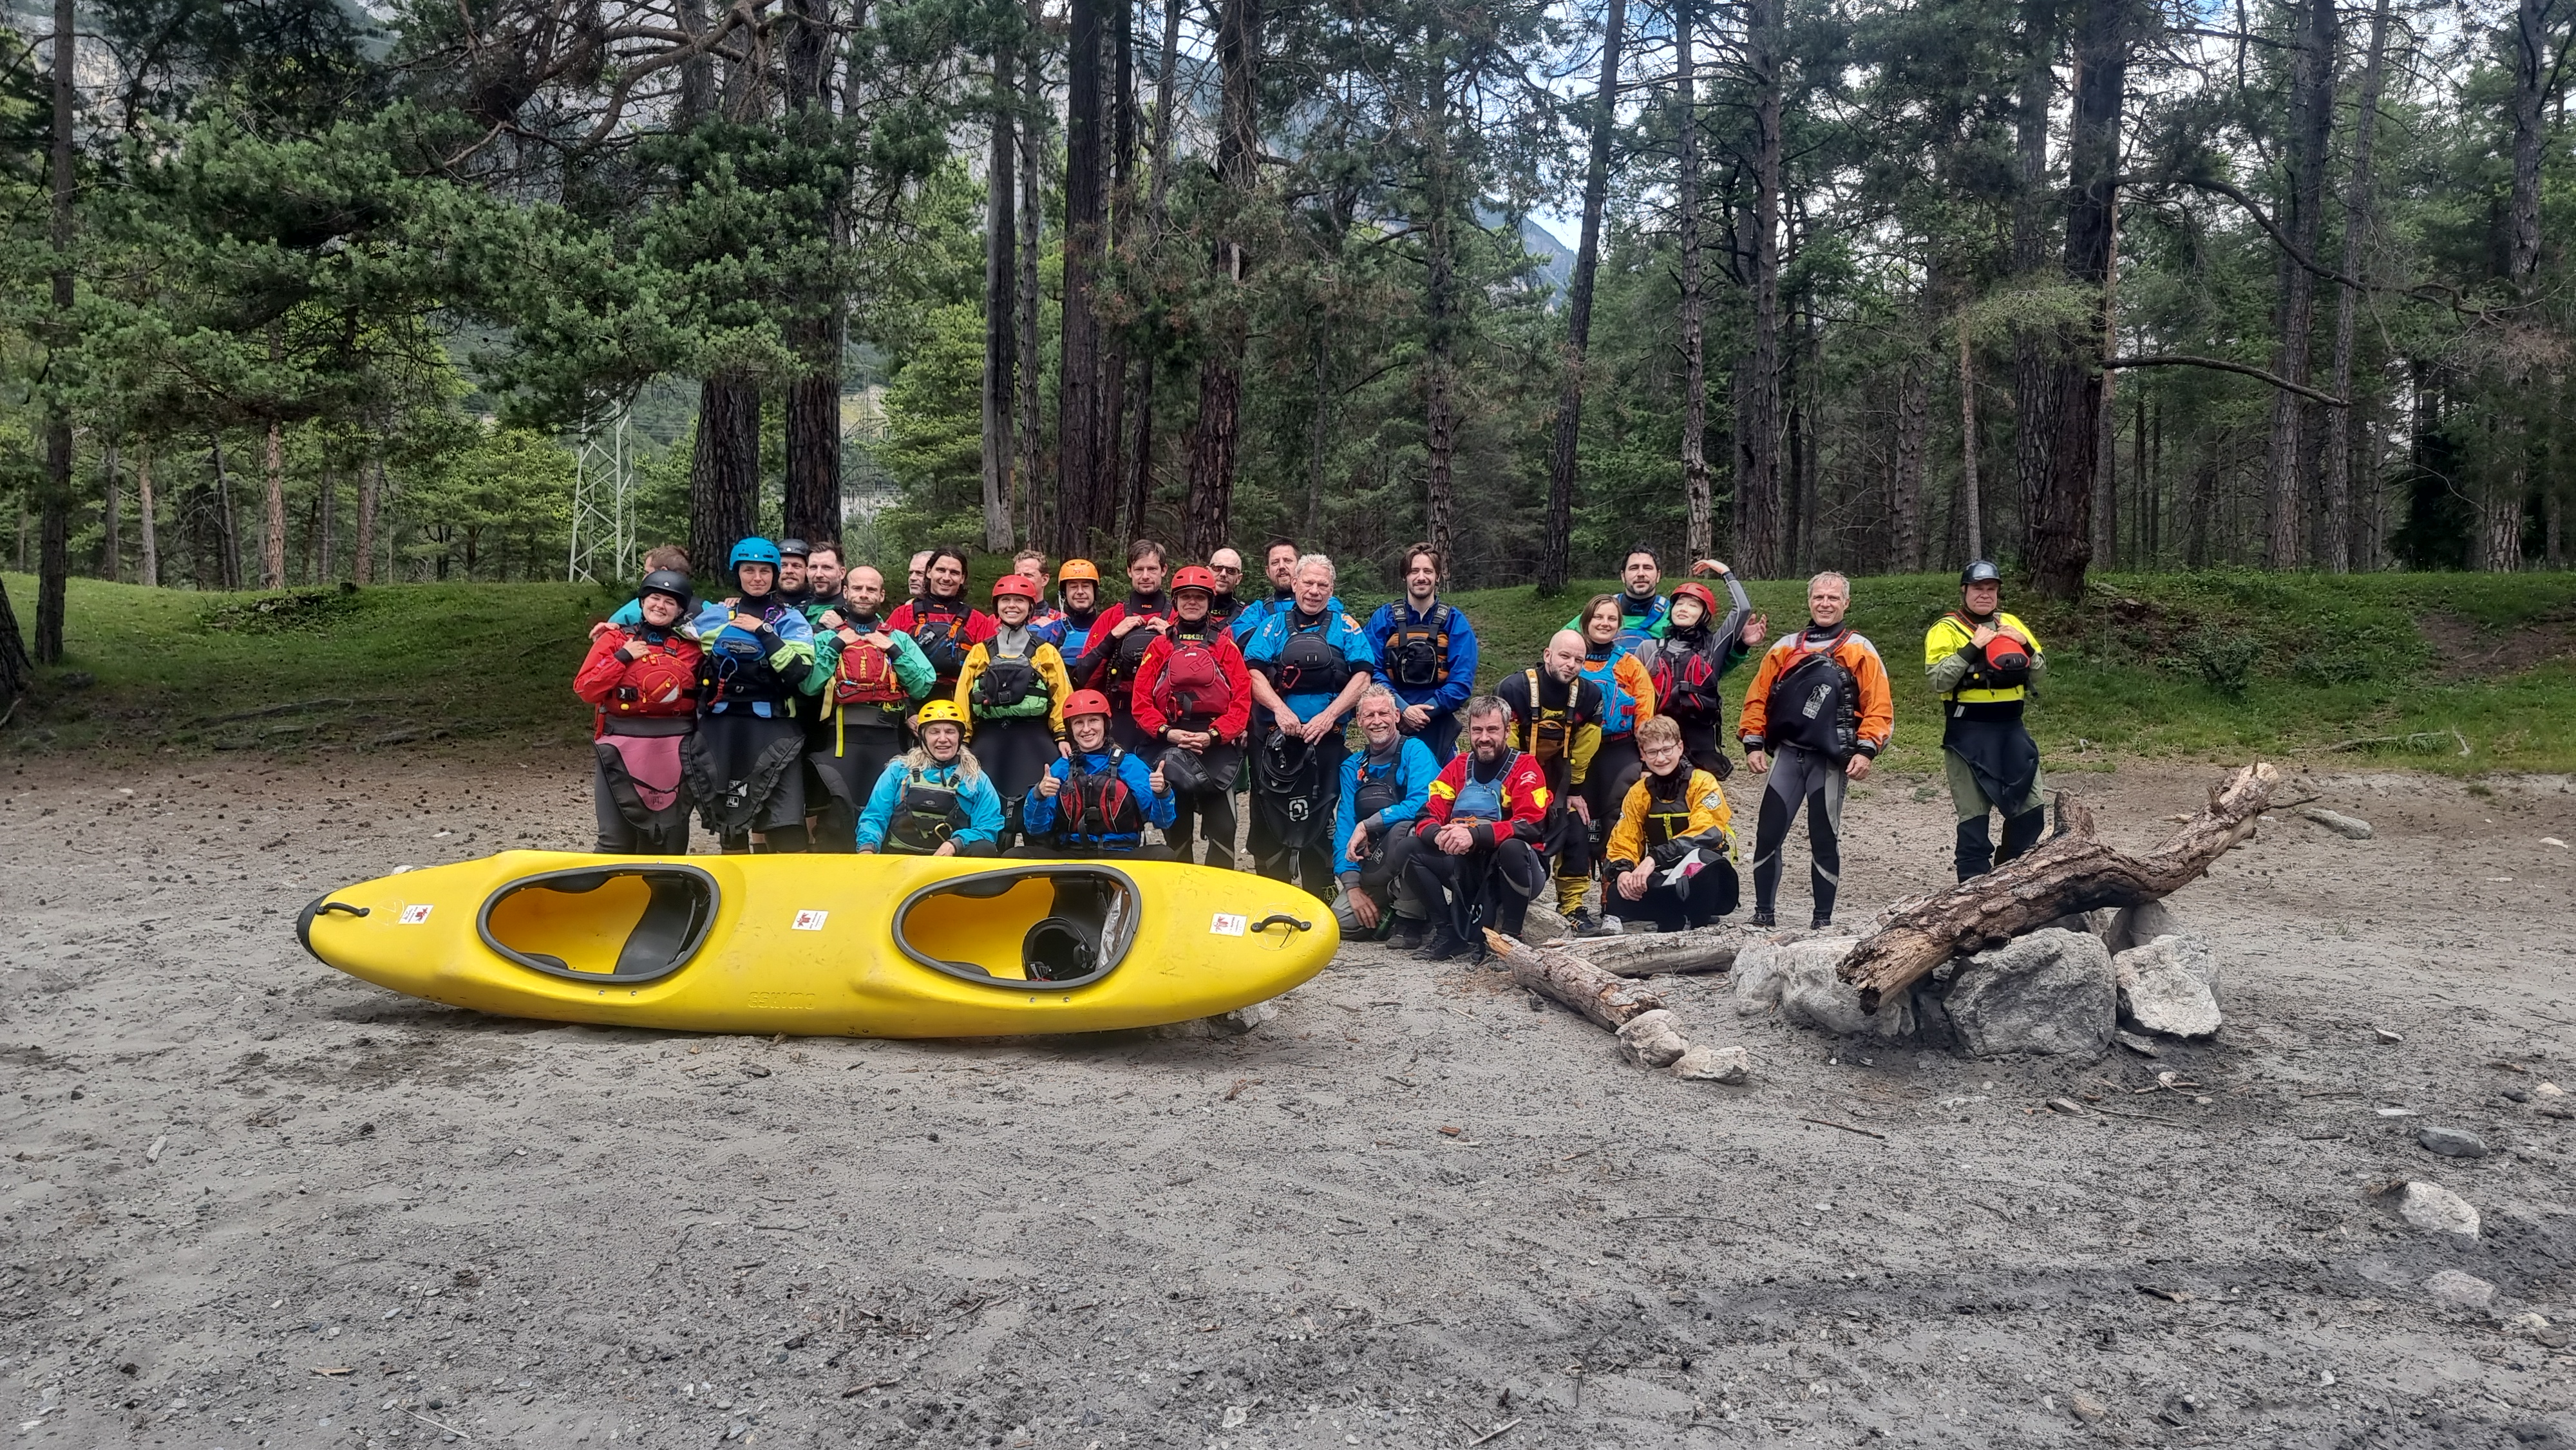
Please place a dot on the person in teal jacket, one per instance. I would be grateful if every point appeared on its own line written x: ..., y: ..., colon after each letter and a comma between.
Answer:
x: 745, y: 762
x: 1384, y: 787
x: 935, y: 800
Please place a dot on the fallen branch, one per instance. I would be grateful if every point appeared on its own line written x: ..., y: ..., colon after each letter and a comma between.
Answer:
x: 2069, y: 873
x: 1604, y: 997
x: 1846, y: 1127
x: 1706, y: 949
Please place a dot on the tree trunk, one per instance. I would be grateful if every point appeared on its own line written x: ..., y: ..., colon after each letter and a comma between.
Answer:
x: 2036, y: 403
x: 149, y: 572
x: 1441, y: 316
x: 326, y: 517
x: 2106, y: 460
x: 1605, y: 997
x: 17, y: 672
x: 111, y: 544
x: 2057, y: 536
x: 724, y: 478
x: 1556, y: 541
x: 2497, y: 546
x: 1140, y: 451
x: 1905, y: 476
x: 371, y: 494
x: 1001, y: 307
x: 1699, y: 530
x: 2069, y: 873
x: 272, y: 537
x: 1119, y: 241
x: 1032, y: 221
x: 1673, y: 953
x: 1971, y: 504
x: 810, y: 501
x: 1217, y: 434
x: 54, y: 515
x: 2311, y: 125
x: 1077, y: 425
x: 2341, y: 546
x: 1757, y: 420
x: 228, y: 559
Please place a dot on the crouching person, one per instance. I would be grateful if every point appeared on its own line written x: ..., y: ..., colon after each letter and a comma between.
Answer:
x: 1671, y: 855
x: 643, y: 680
x: 1384, y: 788
x: 934, y: 800
x: 1475, y: 858
x: 1097, y: 801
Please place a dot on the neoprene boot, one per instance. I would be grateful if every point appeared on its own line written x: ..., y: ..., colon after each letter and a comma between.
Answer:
x: 1976, y: 850
x: 2022, y: 832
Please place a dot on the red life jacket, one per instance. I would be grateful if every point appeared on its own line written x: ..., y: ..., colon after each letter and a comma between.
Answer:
x: 1098, y: 803
x: 1193, y: 686
x: 866, y: 676
x: 661, y: 681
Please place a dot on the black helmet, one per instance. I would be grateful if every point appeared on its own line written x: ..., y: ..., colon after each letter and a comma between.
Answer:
x: 794, y: 548
x: 667, y: 581
x: 1981, y: 572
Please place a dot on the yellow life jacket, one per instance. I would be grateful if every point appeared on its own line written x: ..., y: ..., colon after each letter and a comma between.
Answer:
x: 1950, y: 634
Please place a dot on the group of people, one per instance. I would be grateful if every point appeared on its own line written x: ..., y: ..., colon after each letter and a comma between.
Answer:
x: 798, y: 712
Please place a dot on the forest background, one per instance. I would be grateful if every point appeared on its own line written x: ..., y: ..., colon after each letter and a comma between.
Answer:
x: 298, y: 291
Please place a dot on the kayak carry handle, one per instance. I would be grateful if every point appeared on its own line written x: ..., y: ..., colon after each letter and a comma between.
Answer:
x: 331, y: 906
x: 1280, y: 918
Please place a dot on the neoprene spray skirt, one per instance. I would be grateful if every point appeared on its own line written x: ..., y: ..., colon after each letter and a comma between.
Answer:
x: 745, y: 771
x: 1014, y: 752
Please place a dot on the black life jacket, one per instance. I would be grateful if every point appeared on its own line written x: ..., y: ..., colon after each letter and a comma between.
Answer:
x: 928, y: 813
x: 1309, y: 664
x: 940, y: 627
x: 1417, y: 653
x: 1378, y: 787
x: 1550, y: 729
x: 736, y: 671
x: 1815, y: 702
x: 1098, y: 802
x: 1290, y: 791
x: 1668, y: 817
x: 1129, y: 655
x: 1007, y: 679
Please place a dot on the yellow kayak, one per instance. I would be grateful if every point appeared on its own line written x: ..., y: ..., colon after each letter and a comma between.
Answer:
x: 815, y: 945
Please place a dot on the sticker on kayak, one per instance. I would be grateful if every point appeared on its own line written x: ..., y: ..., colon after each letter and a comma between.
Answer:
x: 414, y: 915
x: 1226, y: 924
x: 810, y: 920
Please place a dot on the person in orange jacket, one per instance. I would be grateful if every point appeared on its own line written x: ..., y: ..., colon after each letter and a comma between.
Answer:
x: 1816, y: 716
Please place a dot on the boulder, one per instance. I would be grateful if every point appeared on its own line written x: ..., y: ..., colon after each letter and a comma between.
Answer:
x: 2046, y: 994
x: 2135, y: 926
x: 1543, y: 926
x: 2169, y: 985
x: 1762, y: 967
x: 1813, y: 994
x: 1652, y: 1039
x: 2455, y: 1290
x: 2432, y: 1208
x: 2451, y: 1142
x: 1715, y: 1064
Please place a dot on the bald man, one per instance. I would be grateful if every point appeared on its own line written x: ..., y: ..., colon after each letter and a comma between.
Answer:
x: 1556, y: 718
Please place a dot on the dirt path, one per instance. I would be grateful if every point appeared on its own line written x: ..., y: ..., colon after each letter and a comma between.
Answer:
x: 253, y: 1202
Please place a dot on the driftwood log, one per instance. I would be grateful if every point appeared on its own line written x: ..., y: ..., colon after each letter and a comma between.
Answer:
x: 2070, y: 872
x: 1605, y: 997
x: 1651, y: 954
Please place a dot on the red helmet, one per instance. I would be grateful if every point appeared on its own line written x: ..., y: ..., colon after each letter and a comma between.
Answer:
x: 1706, y: 596
x: 1195, y: 576
x: 1016, y: 585
x: 1086, y: 702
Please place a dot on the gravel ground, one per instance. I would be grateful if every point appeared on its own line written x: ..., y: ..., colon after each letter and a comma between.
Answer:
x: 250, y: 1201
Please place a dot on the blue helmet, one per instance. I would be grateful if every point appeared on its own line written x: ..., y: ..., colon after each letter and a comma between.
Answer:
x: 753, y: 551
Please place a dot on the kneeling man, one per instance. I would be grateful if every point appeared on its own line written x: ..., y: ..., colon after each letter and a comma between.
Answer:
x: 1475, y: 858
x: 1671, y: 858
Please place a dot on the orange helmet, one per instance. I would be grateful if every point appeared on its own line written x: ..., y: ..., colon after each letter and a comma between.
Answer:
x: 1019, y: 585
x: 1086, y: 702
x: 1077, y: 569
x: 1195, y: 577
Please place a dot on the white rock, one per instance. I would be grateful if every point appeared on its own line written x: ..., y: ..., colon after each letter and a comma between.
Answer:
x: 2460, y: 1291
x: 2351, y: 828
x: 2433, y: 1209
x: 1652, y: 1039
x: 1542, y: 926
x: 2169, y: 985
x: 2135, y: 926
x: 1242, y: 1019
x: 2549, y: 1090
x: 1763, y: 966
x: 2047, y: 993
x: 2526, y: 1323
x: 1813, y: 994
x: 1715, y: 1064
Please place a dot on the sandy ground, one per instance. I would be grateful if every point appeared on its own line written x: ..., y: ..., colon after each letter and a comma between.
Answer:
x: 252, y: 1202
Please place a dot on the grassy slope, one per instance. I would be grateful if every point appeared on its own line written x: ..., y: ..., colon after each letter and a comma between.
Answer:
x: 2321, y: 660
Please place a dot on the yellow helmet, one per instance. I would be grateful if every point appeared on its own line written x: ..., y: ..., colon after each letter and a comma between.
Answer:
x: 939, y: 712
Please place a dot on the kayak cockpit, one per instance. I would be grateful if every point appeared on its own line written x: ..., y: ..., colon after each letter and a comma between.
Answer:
x: 1037, y: 927
x: 602, y: 923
